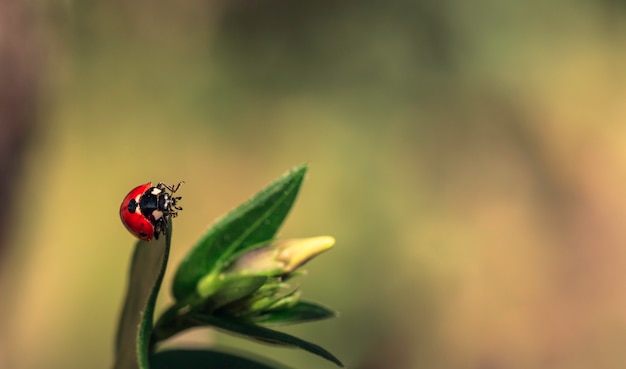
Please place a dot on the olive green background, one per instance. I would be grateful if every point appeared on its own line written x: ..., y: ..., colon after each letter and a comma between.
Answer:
x: 469, y: 158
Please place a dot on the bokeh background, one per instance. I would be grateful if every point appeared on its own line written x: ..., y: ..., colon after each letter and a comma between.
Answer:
x: 469, y: 158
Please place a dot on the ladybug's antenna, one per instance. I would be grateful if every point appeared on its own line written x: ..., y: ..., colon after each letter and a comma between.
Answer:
x: 172, y: 189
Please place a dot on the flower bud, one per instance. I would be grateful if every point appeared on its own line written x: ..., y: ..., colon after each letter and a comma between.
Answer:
x: 280, y: 257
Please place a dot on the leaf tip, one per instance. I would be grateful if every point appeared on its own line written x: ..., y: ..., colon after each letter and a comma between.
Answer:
x: 299, y: 170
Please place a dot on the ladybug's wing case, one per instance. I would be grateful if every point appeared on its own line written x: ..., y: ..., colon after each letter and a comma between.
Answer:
x: 138, y: 225
x: 134, y: 221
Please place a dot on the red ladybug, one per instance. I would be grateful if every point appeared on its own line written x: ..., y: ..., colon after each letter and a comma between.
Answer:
x: 146, y: 209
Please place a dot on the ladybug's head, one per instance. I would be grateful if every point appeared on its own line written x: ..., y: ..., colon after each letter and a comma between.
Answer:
x: 169, y: 203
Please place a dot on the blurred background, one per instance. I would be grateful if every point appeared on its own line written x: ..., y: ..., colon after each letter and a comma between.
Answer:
x: 469, y: 158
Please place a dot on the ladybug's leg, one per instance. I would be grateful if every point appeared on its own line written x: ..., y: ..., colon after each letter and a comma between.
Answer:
x: 157, y: 230
x: 160, y: 227
x: 175, y: 203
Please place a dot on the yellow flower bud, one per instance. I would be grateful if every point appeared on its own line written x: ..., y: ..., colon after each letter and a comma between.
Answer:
x: 281, y: 257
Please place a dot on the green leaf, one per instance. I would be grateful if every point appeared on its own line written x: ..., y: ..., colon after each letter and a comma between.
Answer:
x: 208, y: 359
x: 301, y: 312
x: 246, y: 227
x: 271, y: 294
x: 173, y: 321
x: 263, y: 334
x: 235, y: 289
x: 135, y: 325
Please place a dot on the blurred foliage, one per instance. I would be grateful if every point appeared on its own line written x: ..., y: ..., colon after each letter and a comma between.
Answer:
x: 472, y: 150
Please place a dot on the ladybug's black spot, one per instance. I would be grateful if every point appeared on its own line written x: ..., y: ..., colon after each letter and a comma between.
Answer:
x: 148, y: 204
x: 143, y: 234
x: 132, y: 206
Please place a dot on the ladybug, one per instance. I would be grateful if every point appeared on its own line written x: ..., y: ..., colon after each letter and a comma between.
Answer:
x: 146, y: 209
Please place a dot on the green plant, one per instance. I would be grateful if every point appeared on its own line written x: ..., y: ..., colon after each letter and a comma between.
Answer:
x: 234, y: 279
